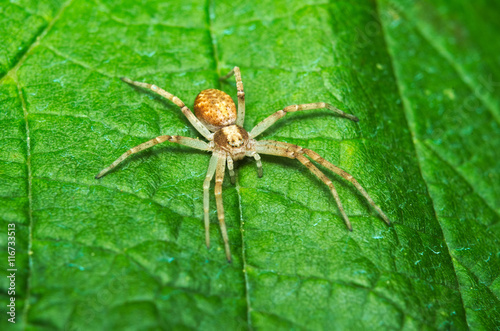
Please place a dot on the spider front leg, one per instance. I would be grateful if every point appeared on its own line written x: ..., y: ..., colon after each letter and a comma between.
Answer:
x: 240, y: 119
x: 219, y: 178
x: 190, y: 142
x: 185, y: 110
x: 271, y: 119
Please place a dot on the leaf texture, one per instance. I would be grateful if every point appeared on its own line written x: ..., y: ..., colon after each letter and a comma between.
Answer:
x: 127, y: 251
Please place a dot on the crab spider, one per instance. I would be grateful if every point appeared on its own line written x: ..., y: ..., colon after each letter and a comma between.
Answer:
x: 222, y: 125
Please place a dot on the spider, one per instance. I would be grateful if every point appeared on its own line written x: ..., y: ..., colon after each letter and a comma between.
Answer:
x: 219, y: 122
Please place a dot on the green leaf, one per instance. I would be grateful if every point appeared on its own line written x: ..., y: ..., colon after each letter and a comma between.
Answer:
x: 128, y: 251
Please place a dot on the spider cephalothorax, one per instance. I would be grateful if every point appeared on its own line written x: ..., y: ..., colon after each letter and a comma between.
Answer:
x: 232, y: 139
x: 219, y: 122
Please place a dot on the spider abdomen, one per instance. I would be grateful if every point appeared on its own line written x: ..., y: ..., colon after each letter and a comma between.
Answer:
x: 215, y: 109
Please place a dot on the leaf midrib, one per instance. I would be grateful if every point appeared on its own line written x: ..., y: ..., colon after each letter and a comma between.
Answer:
x: 413, y: 140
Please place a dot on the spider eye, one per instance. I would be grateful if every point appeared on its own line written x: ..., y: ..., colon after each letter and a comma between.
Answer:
x: 235, y: 142
x: 215, y: 109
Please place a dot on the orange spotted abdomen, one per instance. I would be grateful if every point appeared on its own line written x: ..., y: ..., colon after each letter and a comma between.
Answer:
x: 215, y: 109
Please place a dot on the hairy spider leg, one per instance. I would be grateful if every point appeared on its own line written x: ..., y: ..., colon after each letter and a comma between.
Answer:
x: 316, y: 157
x: 206, y: 196
x: 240, y: 119
x: 271, y: 119
x: 292, y: 151
x: 185, y: 110
x: 297, y: 154
x: 190, y: 142
x: 305, y: 161
x: 219, y: 178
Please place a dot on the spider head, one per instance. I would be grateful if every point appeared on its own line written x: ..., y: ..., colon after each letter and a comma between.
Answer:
x: 232, y: 139
x: 215, y: 109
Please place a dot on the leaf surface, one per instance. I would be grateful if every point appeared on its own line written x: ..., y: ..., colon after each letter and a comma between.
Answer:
x: 127, y: 251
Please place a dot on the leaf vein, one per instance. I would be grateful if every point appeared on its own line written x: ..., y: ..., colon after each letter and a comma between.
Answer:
x: 37, y: 39
x: 406, y: 106
x: 442, y: 159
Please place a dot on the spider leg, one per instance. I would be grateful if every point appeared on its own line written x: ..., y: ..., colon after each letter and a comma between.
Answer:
x: 230, y: 167
x: 240, y: 119
x: 316, y: 157
x: 206, y: 197
x: 190, y: 142
x: 185, y: 110
x: 256, y: 156
x: 296, y: 153
x: 219, y: 178
x: 271, y: 119
x: 289, y: 150
x: 305, y: 161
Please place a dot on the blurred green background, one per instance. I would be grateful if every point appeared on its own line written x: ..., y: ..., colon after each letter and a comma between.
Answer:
x: 127, y: 251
